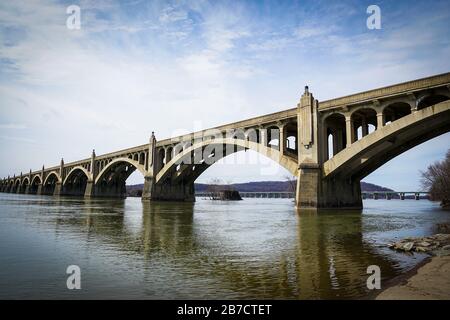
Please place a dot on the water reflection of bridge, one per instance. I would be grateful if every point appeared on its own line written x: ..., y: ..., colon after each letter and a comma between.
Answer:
x: 326, y: 256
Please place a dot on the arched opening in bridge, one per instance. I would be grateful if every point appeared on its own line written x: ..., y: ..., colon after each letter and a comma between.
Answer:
x: 254, y: 135
x: 273, y: 137
x: 24, y: 185
x: 248, y: 172
x: 396, y: 111
x: 16, y: 187
x: 50, y: 184
x: 75, y: 183
x: 169, y: 154
x: 161, y: 158
x: 112, y: 181
x: 336, y: 134
x: 34, y: 186
x: 431, y: 100
x: 290, y: 132
x: 364, y: 121
x: 142, y: 158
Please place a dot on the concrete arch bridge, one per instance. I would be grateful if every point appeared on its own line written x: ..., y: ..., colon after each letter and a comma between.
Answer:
x: 329, y: 146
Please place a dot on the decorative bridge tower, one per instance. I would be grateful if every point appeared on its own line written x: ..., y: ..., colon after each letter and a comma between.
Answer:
x: 313, y: 190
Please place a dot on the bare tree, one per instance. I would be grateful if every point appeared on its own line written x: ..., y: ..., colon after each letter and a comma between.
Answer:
x: 213, y: 188
x: 228, y: 186
x: 436, y: 180
x: 219, y: 190
x: 292, y: 183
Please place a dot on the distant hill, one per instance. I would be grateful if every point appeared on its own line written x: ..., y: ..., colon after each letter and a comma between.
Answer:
x: 260, y: 186
x: 373, y: 187
x: 278, y: 186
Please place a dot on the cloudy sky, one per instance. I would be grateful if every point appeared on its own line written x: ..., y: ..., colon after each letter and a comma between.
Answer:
x: 171, y: 67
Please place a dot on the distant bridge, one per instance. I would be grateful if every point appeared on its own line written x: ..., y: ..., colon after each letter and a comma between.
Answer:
x: 329, y: 146
x: 265, y: 194
x: 388, y: 195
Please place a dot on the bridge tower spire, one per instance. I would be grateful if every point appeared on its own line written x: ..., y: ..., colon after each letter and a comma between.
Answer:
x: 61, y: 169
x: 92, y: 166
x: 313, y: 190
x: 90, y: 185
x: 309, y: 172
x: 149, y: 183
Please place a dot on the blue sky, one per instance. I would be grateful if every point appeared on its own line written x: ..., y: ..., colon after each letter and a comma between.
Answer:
x: 141, y: 66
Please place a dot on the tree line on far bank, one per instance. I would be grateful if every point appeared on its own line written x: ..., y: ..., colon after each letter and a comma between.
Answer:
x: 436, y: 179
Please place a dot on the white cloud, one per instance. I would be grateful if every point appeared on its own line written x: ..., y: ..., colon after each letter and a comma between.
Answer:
x: 12, y: 126
x: 305, y: 32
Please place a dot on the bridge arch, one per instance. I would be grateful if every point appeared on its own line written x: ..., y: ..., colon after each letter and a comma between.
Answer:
x: 24, y: 184
x: 177, y: 168
x: 27, y: 179
x: 361, y: 119
x: 335, y: 133
x: 76, y: 181
x: 290, y: 132
x: 36, y: 181
x: 16, y: 185
x: 395, y: 111
x: 11, y: 186
x: 368, y: 154
x: 175, y: 181
x: 273, y: 136
x: 50, y: 182
x: 110, y: 182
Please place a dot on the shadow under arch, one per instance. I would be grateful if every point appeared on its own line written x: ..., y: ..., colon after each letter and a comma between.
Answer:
x: 16, y: 186
x: 24, y: 185
x: 76, y: 181
x: 111, y: 181
x: 50, y: 182
x: 34, y: 185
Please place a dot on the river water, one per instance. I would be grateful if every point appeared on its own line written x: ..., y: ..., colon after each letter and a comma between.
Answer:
x: 250, y: 249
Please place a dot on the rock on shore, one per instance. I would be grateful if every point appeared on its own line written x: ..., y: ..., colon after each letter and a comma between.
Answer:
x: 438, y: 244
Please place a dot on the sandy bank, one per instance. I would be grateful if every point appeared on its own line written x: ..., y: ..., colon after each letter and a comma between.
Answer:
x: 432, y: 281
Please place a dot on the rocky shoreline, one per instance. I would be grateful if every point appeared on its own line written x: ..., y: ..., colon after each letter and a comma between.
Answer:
x: 438, y: 244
